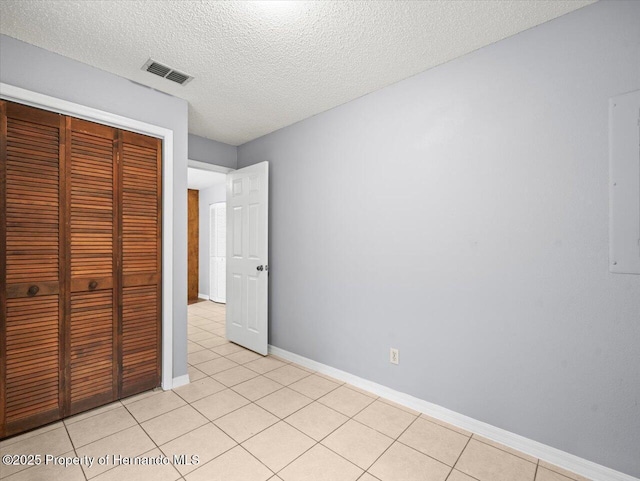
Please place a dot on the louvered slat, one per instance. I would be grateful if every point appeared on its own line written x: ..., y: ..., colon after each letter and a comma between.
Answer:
x: 30, y: 316
x: 93, y: 321
x: 91, y: 355
x: 140, y: 263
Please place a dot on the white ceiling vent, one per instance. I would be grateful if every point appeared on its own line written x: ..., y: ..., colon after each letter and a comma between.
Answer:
x: 166, y: 72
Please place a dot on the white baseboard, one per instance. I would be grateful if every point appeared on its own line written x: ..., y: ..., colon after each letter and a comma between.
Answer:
x: 559, y: 458
x: 203, y: 296
x: 180, y: 381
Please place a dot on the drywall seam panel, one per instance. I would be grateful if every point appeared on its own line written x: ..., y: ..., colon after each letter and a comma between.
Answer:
x: 624, y: 183
x: 461, y: 216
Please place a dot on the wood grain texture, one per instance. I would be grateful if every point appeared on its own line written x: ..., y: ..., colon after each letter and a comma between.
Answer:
x: 193, y: 241
x: 80, y: 284
x: 31, y: 236
x: 93, y: 316
x: 141, y: 262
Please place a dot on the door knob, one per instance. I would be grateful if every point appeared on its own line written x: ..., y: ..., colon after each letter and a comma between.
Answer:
x: 33, y: 290
x: 93, y: 285
x: 260, y: 268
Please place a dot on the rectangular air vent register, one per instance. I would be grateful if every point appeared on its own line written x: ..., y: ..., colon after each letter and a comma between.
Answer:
x: 166, y: 72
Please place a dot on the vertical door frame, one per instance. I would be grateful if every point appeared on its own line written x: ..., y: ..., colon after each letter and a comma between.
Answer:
x: 34, y: 99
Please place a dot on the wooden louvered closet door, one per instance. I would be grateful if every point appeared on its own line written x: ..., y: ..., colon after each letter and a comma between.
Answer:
x: 141, y: 257
x: 32, y: 267
x: 93, y: 302
x: 80, y: 287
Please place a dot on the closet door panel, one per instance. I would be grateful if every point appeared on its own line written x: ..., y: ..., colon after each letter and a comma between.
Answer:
x: 141, y: 257
x: 32, y: 267
x: 93, y: 305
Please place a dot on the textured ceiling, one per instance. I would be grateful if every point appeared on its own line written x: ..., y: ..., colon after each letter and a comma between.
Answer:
x: 260, y: 66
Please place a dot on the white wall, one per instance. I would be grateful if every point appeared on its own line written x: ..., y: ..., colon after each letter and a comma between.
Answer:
x: 217, y: 193
x: 462, y: 216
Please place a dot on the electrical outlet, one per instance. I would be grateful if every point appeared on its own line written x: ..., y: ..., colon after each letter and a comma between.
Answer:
x: 394, y: 356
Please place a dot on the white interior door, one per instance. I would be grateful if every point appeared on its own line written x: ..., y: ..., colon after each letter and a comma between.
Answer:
x: 218, y: 252
x: 247, y: 256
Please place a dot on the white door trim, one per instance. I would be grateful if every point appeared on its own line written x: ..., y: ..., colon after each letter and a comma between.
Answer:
x: 35, y: 99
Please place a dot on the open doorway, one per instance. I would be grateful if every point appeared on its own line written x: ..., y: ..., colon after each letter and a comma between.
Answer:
x: 243, y: 235
x: 206, y: 233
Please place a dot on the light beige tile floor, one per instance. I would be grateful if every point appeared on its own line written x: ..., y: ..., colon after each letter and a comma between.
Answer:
x: 254, y: 418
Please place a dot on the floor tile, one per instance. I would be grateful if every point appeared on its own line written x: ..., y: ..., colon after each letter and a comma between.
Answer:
x: 313, y: 386
x: 328, y: 378
x: 97, y: 427
x: 287, y: 374
x: 256, y: 388
x: 200, y: 336
x: 234, y: 465
x: 399, y: 406
x: 195, y: 374
x: 221, y: 331
x: 198, y: 389
x: 284, y: 402
x: 242, y: 357
x: 30, y: 434
x: 458, y: 476
x: 213, y: 342
x: 264, y: 364
x: 320, y: 464
x: 487, y: 463
x: 361, y: 391
x: 234, y: 376
x: 193, y: 347
x: 215, y: 366
x: 227, y: 349
x: 92, y: 412
x: 220, y: 404
x: 401, y: 463
x: 207, y: 442
x: 55, y: 442
x: 246, y: 422
x: 385, y: 418
x: 49, y: 472
x: 129, y: 442
x: 358, y: 443
x: 316, y: 420
x: 346, y: 401
x: 544, y: 474
x: 278, y: 445
x: 446, y: 425
x: 150, y: 407
x: 138, y: 397
x: 563, y: 472
x: 175, y: 423
x: 199, y: 357
x: 367, y: 477
x: 434, y: 440
x: 139, y: 472
x: 515, y: 452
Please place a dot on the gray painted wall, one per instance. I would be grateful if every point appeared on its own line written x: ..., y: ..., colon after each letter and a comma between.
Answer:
x: 462, y: 216
x: 212, y: 195
x: 39, y: 70
x: 213, y: 152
